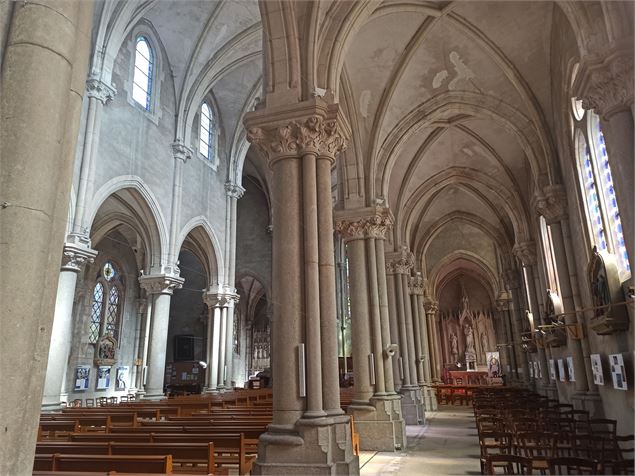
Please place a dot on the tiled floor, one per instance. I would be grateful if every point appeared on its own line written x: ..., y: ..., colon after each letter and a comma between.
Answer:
x: 446, y: 445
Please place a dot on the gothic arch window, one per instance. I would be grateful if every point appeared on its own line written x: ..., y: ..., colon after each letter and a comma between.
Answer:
x: 107, y: 303
x: 206, y: 132
x: 596, y: 182
x: 143, y: 69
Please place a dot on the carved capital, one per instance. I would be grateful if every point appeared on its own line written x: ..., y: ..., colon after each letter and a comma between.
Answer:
x: 96, y: 88
x: 551, y: 203
x: 604, y: 82
x: 373, y: 222
x: 234, y: 190
x: 526, y: 252
x: 180, y: 151
x: 220, y: 298
x: 161, y: 283
x: 401, y: 261
x: 417, y: 284
x: 312, y: 127
x: 431, y: 306
x: 74, y: 257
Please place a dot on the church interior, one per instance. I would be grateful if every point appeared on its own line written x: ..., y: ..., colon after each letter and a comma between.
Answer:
x: 317, y: 237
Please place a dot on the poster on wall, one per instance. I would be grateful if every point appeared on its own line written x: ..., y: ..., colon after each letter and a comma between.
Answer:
x: 552, y: 369
x: 563, y: 376
x: 103, y: 377
x: 596, y: 366
x: 618, y: 372
x: 121, y: 382
x: 570, y: 369
x: 82, y: 372
x: 493, y: 364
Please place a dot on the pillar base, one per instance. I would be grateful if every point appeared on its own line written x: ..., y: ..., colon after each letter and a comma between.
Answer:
x: 321, y: 446
x: 429, y: 398
x: 412, y: 405
x: 380, y: 424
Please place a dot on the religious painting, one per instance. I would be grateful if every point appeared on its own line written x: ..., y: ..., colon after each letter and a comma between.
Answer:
x: 618, y: 372
x: 82, y: 374
x: 570, y: 369
x: 103, y: 377
x: 493, y: 364
x: 106, y: 351
x: 596, y: 367
x: 563, y: 376
x: 121, y: 382
x: 552, y: 370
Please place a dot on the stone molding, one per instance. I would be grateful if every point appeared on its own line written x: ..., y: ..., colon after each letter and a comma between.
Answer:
x: 311, y: 127
x: 161, y: 283
x: 400, y: 262
x: 180, y: 151
x: 234, y: 190
x: 96, y: 88
x: 74, y: 257
x: 551, y: 203
x: 525, y: 251
x: 372, y: 222
x: 604, y: 82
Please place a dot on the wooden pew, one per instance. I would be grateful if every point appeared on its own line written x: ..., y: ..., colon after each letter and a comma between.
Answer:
x: 123, y: 464
x: 51, y: 429
x: 106, y: 437
x: 182, y: 453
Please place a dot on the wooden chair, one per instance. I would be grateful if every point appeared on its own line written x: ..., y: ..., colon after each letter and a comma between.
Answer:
x: 90, y: 403
x: 112, y: 401
x: 625, y: 466
x: 508, y: 464
x: 76, y: 403
x: 536, y: 446
x: 603, y: 427
x: 492, y: 443
x: 564, y: 465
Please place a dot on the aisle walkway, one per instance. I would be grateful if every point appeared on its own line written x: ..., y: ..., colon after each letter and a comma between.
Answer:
x: 446, y: 445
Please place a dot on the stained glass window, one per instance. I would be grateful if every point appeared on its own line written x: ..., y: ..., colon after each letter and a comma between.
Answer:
x: 106, y: 304
x: 206, y: 142
x: 142, y: 78
x: 95, y: 312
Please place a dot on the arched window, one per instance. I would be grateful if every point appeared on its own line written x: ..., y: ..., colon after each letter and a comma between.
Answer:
x: 107, y: 303
x: 142, y: 79
x: 206, y: 134
x: 596, y: 182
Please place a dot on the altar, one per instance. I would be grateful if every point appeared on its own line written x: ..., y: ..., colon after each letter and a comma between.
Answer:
x: 468, y: 377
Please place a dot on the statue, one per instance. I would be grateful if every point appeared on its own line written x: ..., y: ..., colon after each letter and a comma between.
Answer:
x: 469, y: 340
x: 484, y: 343
x: 454, y: 346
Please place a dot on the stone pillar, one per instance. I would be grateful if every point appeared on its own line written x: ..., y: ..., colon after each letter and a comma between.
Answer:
x: 221, y: 371
x: 418, y: 289
x: 552, y: 205
x: 61, y: 335
x: 214, y: 302
x: 413, y: 290
x: 604, y: 83
x: 232, y: 300
x: 412, y: 402
x: 144, y: 341
x: 141, y: 306
x: 377, y: 417
x: 44, y: 67
x: 393, y: 324
x: 514, y: 310
x: 160, y: 287
x: 302, y: 437
x: 436, y: 362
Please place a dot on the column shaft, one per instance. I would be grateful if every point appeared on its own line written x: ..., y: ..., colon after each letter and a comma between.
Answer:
x: 375, y: 318
x: 229, y: 346
x: 222, y: 348
x: 158, y: 345
x: 393, y: 320
x: 416, y: 322
x: 144, y: 343
x: 403, y: 332
x: 386, y: 334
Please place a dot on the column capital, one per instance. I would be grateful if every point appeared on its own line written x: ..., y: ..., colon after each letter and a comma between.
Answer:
x: 525, y: 251
x: 217, y: 298
x: 180, y: 151
x: 551, y: 203
x: 160, y: 283
x: 312, y: 126
x: 370, y: 222
x: 431, y: 305
x: 400, y: 262
x: 74, y: 257
x: 96, y: 88
x: 604, y: 81
x: 417, y: 284
x: 233, y: 190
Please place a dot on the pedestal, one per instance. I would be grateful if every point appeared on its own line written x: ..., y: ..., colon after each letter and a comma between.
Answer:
x: 412, y: 405
x: 380, y: 424
x: 310, y: 447
x: 429, y: 398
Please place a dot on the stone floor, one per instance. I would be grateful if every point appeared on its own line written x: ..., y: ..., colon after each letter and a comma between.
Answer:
x: 446, y: 445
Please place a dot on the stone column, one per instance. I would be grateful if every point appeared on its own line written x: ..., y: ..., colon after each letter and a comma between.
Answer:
x: 41, y: 83
x: 302, y: 437
x: 552, y: 205
x: 393, y: 324
x: 436, y: 362
x: 412, y: 402
x: 142, y: 305
x: 222, y: 349
x: 378, y: 418
x: 144, y: 341
x: 507, y: 364
x: 214, y: 301
x: 513, y: 284
x: 605, y: 84
x: 232, y: 300
x: 160, y: 287
x: 413, y: 290
x: 417, y: 289
x: 61, y: 334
